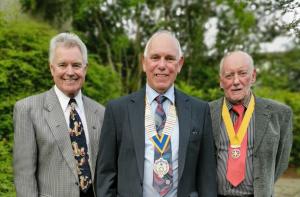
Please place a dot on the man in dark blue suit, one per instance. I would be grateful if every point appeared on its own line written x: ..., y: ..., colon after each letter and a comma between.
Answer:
x: 157, y: 141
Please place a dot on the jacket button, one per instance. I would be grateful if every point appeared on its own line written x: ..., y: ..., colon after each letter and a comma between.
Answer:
x: 76, y: 183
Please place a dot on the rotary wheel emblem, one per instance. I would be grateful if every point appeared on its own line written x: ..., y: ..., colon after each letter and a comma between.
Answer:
x: 235, y: 153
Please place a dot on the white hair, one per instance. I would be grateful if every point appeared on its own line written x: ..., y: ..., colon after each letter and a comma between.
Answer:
x: 163, y: 32
x: 67, y: 40
x: 249, y: 58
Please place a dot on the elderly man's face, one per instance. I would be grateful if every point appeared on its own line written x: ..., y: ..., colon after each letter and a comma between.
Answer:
x: 68, y: 70
x: 162, y: 62
x: 237, y: 77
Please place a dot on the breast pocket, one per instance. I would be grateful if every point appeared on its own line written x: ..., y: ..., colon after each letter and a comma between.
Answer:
x: 195, y: 134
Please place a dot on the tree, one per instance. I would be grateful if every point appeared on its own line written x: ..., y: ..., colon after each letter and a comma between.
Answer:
x: 117, y: 30
x: 280, y: 70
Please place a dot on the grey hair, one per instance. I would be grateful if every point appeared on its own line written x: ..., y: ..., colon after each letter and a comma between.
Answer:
x: 163, y: 32
x: 250, y: 60
x: 67, y: 40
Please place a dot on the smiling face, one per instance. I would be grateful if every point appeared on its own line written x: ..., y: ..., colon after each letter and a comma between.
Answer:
x: 68, y: 70
x: 162, y: 62
x: 237, y: 75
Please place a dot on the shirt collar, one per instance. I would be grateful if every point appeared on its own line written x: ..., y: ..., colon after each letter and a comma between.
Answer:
x: 152, y: 94
x: 245, y: 102
x: 64, y: 99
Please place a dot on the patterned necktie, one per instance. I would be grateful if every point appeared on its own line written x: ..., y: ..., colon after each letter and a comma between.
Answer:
x: 162, y: 184
x: 236, y: 167
x: 80, y: 149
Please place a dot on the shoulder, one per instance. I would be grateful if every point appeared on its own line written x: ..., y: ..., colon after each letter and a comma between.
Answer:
x: 124, y: 100
x: 31, y: 101
x: 216, y: 102
x: 274, y: 106
x: 94, y: 104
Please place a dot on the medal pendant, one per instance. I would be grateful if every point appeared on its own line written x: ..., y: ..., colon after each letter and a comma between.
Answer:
x: 235, y: 153
x: 161, y: 167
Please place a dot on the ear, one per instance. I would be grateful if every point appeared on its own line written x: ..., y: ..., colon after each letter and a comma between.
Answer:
x: 180, y: 64
x: 220, y: 82
x: 51, y: 69
x: 86, y: 67
x: 253, y: 77
x: 143, y: 61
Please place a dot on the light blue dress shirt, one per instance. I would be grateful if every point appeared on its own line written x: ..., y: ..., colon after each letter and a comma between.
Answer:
x: 148, y: 190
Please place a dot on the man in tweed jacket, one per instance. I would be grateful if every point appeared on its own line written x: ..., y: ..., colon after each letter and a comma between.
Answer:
x: 44, y: 162
x: 269, y: 132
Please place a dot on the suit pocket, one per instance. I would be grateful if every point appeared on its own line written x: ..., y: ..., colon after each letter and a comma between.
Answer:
x: 196, y: 134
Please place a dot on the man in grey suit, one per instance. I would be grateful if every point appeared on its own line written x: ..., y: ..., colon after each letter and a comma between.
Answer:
x: 253, y: 136
x: 136, y: 160
x: 56, y: 133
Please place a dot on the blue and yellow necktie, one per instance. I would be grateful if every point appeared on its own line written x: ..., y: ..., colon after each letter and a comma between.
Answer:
x: 162, y: 184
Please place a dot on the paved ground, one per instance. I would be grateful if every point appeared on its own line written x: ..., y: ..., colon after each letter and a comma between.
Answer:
x: 287, y: 187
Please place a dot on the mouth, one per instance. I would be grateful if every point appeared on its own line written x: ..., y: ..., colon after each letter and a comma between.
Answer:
x: 70, y: 80
x: 160, y: 75
x: 236, y: 90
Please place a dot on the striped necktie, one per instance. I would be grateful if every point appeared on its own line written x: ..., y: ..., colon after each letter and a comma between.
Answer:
x: 162, y: 184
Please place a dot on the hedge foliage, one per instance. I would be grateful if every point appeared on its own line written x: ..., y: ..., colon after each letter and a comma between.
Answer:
x: 6, y: 171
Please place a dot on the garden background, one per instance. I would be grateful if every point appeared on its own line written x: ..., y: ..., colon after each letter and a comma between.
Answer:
x: 115, y: 32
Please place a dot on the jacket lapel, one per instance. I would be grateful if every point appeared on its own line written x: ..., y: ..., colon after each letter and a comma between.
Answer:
x: 93, y: 128
x: 57, y: 123
x: 136, y: 109
x: 262, y: 118
x: 183, y: 109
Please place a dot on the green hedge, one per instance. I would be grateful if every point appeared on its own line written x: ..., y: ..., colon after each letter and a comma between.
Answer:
x: 6, y: 171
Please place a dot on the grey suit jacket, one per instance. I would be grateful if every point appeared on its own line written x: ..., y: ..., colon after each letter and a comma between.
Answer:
x: 44, y: 164
x: 120, y: 163
x: 273, y: 139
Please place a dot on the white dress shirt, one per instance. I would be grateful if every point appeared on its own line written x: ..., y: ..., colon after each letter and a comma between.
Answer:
x: 148, y: 189
x: 64, y: 101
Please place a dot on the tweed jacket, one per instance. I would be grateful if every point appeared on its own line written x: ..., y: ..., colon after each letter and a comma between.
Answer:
x: 272, y: 141
x: 44, y: 164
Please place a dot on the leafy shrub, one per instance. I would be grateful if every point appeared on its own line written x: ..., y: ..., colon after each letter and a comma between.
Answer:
x: 6, y: 171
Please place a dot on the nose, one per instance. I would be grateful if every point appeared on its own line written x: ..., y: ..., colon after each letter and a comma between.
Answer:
x: 162, y: 63
x: 69, y: 70
x: 236, y: 79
